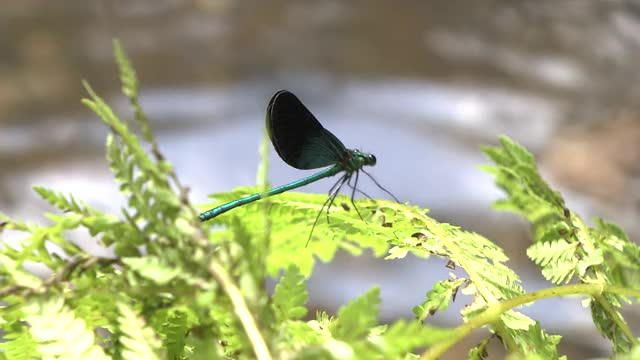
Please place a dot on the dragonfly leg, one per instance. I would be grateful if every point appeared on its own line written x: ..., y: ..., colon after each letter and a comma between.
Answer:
x: 315, y: 222
x: 345, y: 179
x: 360, y: 192
x: 353, y: 194
x: 332, y: 194
x: 333, y: 187
x: 380, y: 186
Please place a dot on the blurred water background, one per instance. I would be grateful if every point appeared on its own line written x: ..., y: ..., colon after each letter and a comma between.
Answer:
x: 419, y: 83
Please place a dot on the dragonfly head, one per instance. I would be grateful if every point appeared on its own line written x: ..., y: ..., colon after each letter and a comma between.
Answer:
x: 356, y: 160
x: 362, y: 158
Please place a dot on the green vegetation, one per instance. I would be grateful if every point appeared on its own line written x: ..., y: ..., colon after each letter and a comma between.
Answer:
x: 181, y: 289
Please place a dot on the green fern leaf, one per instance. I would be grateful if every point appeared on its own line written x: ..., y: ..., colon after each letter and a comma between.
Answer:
x: 517, y: 321
x: 557, y: 259
x: 95, y: 308
x: 130, y: 155
x: 322, y: 324
x: 290, y: 296
x: 202, y: 348
x: 59, y: 333
x: 516, y: 162
x: 61, y: 202
x: 356, y: 318
x: 403, y: 337
x: 18, y: 345
x: 13, y: 269
x: 290, y: 226
x: 127, y: 73
x: 231, y: 337
x: 438, y: 298
x: 129, y: 82
x: 608, y: 320
x: 516, y: 173
x: 479, y: 352
x: 138, y: 340
x: 489, y: 280
x: 622, y: 255
x: 538, y: 344
x: 153, y: 269
x: 300, y: 334
x: 565, y: 248
x: 175, y: 326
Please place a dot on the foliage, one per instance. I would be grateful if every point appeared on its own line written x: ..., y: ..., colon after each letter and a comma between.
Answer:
x: 566, y: 248
x: 180, y: 289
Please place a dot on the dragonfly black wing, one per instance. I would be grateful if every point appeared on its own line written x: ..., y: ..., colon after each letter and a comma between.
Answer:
x: 298, y: 136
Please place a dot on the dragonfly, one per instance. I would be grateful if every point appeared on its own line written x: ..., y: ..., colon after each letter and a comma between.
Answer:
x: 303, y: 143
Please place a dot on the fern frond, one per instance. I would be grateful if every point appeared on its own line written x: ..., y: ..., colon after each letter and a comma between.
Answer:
x: 408, y: 228
x: 232, y: 339
x: 203, y: 348
x: 565, y: 247
x: 128, y: 77
x: 290, y: 296
x: 518, y: 176
x: 610, y: 322
x: 130, y: 88
x: 355, y: 334
x: 19, y: 344
x: 538, y: 344
x: 14, y: 271
x: 32, y: 247
x: 404, y: 337
x: 95, y: 294
x: 489, y: 279
x: 288, y: 305
x: 296, y: 335
x: 63, y: 203
x: 556, y: 258
x: 138, y: 340
x: 322, y: 323
x: 622, y: 255
x: 60, y: 335
x: 355, y: 319
x: 174, y: 328
x: 479, y: 352
x: 146, y: 183
x: 153, y: 269
x: 130, y: 145
x: 292, y: 215
x: 438, y: 298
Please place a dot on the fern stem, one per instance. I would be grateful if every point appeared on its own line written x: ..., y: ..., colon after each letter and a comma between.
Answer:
x: 615, y: 316
x: 494, y: 311
x: 454, y: 251
x: 242, y: 311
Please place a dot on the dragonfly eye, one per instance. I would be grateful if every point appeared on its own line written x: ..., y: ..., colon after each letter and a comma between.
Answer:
x: 371, y: 160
